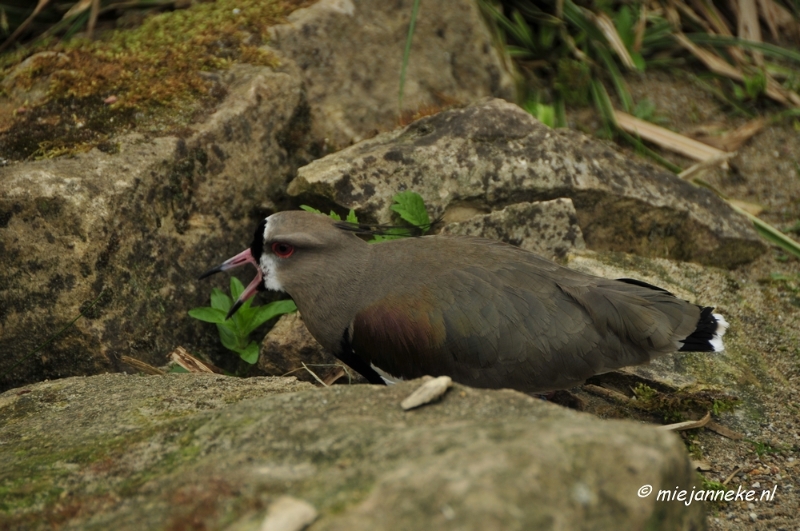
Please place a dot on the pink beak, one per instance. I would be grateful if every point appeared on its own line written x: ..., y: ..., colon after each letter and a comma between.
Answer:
x: 242, y: 258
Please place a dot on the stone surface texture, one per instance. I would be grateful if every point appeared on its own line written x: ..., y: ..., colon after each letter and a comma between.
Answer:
x: 186, y: 451
x: 349, y: 54
x: 547, y: 228
x: 492, y: 154
x: 134, y: 229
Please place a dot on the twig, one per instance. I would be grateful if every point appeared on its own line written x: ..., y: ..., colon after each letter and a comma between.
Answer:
x: 688, y: 425
x: 735, y: 471
x: 606, y: 393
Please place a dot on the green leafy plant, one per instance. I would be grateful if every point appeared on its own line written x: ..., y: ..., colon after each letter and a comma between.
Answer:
x: 235, y: 332
x: 409, y: 205
x: 761, y: 448
x: 544, y: 113
x: 351, y: 216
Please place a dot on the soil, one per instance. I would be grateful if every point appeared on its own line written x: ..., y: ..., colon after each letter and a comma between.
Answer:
x: 766, y: 172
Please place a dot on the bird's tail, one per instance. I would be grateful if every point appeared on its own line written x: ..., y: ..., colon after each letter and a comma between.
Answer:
x: 707, y: 337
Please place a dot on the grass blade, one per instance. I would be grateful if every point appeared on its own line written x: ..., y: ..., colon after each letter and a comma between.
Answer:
x: 770, y: 233
x: 407, y: 53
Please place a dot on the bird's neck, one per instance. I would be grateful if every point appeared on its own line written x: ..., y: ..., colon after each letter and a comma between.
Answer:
x: 329, y: 300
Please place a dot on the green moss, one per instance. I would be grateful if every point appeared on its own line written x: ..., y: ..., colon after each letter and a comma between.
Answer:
x: 673, y: 406
x: 155, y: 77
x: 38, y: 472
x: 715, y: 486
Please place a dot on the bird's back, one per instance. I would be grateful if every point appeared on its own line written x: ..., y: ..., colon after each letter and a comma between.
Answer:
x: 492, y: 315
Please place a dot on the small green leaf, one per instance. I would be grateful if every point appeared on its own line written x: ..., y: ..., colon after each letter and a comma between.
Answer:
x: 378, y: 238
x: 228, y: 337
x: 236, y: 287
x: 411, y: 208
x: 208, y: 315
x: 334, y: 215
x: 351, y: 216
x: 310, y: 209
x: 249, y: 353
x: 638, y: 61
x: 220, y: 300
x: 262, y: 314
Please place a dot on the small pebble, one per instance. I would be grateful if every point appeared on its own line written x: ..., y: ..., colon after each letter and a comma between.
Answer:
x: 427, y: 392
x: 753, y: 517
x: 288, y: 514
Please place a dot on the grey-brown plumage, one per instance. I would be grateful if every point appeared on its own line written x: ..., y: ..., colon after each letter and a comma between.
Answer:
x: 483, y: 312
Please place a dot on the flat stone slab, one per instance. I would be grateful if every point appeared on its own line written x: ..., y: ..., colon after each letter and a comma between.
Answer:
x: 492, y: 154
x: 176, y: 451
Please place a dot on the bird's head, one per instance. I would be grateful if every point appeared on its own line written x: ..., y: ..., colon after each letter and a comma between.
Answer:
x: 290, y: 249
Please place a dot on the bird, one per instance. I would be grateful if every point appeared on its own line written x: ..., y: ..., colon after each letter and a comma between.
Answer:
x: 483, y: 312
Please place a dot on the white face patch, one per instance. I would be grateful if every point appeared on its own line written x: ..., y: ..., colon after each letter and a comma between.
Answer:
x: 267, y: 263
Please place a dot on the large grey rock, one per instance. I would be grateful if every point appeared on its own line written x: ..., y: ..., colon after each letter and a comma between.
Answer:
x: 349, y: 55
x: 134, y: 230
x: 136, y: 227
x: 492, y: 154
x: 547, y: 228
x: 172, y: 452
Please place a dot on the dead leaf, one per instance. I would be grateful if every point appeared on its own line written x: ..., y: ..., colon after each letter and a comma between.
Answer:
x: 192, y: 364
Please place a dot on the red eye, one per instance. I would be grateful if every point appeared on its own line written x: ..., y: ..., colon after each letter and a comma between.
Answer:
x: 283, y: 250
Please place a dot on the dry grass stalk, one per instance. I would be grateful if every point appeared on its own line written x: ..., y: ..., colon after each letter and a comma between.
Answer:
x: 733, y: 140
x: 606, y: 25
x: 693, y: 171
x: 749, y: 28
x: 778, y: 17
x: 666, y: 138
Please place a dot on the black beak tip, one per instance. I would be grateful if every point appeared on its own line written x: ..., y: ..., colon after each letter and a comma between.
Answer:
x: 233, y: 309
x: 210, y: 272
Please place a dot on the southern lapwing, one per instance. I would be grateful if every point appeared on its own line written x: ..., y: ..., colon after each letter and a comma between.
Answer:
x: 483, y: 312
